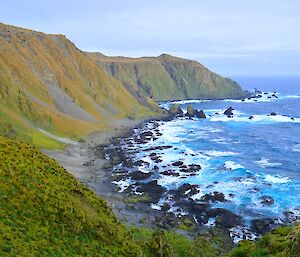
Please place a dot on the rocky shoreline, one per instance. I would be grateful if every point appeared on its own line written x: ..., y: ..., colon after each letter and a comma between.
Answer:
x: 104, y: 162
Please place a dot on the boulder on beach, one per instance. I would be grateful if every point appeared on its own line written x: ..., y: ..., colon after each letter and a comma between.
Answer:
x: 176, y: 110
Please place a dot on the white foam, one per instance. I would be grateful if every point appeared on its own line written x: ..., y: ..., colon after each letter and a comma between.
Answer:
x: 256, y: 118
x: 155, y: 207
x: 214, y: 153
x: 197, y: 196
x: 277, y: 179
x: 122, y: 184
x: 296, y: 148
x: 291, y: 96
x: 240, y: 233
x: 190, y: 101
x: 211, y: 222
x: 266, y: 163
x: 230, y: 165
x: 168, y: 180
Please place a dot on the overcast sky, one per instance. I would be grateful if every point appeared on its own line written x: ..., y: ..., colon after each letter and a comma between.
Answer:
x: 231, y: 37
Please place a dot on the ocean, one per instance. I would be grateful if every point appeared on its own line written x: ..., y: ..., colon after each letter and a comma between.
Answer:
x: 254, y: 163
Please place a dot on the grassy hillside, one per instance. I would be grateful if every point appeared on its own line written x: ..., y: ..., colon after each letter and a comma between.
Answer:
x: 168, y: 78
x: 46, y: 82
x: 45, y: 211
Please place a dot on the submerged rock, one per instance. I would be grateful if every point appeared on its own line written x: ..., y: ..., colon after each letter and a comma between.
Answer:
x: 266, y: 200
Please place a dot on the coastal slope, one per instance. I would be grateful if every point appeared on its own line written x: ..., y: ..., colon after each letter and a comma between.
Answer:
x: 47, y: 83
x: 50, y: 89
x: 167, y: 77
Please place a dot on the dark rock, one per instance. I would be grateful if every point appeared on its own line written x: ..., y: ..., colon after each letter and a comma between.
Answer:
x: 160, y: 147
x: 266, y: 200
x: 178, y: 163
x: 147, y: 134
x: 152, y: 189
x: 262, y: 226
x: 138, y: 175
x: 200, y: 114
x: 225, y: 218
x: 170, y: 173
x: 214, y: 197
x: 273, y: 114
x: 188, y: 189
x: 229, y: 112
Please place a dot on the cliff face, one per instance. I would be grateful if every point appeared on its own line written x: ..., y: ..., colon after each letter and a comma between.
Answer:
x: 168, y: 78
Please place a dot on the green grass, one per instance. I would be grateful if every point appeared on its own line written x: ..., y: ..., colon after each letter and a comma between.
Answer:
x: 45, y: 211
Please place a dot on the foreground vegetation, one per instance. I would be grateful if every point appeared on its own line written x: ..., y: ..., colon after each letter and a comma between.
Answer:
x: 45, y: 211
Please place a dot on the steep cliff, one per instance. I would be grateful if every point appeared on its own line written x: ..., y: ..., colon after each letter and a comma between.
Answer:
x: 168, y: 78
